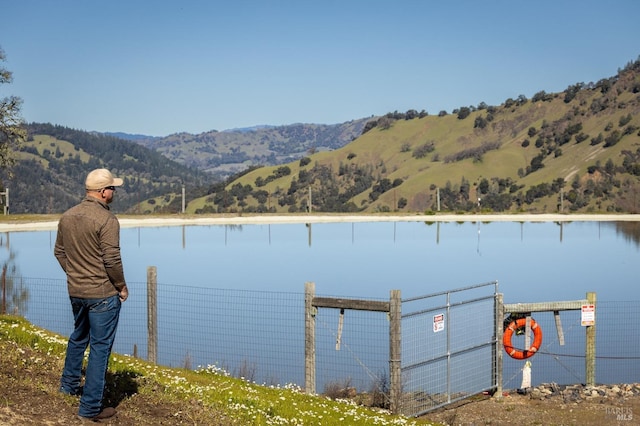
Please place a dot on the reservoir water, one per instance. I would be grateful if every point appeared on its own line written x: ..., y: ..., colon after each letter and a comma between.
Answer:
x: 200, y: 267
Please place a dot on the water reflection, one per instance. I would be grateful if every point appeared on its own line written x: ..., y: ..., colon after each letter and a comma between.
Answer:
x: 237, y: 228
x: 417, y: 257
x: 630, y: 230
x: 14, y: 294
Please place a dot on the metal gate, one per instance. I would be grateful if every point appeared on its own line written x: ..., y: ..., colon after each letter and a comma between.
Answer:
x: 448, y: 347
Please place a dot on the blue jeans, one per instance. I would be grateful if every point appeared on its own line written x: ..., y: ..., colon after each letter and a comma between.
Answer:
x: 95, y: 324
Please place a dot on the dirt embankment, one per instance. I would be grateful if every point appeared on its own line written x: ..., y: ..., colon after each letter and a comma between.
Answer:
x: 549, y: 404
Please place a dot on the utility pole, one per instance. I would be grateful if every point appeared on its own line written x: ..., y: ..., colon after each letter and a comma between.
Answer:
x: 6, y: 200
x: 183, y: 201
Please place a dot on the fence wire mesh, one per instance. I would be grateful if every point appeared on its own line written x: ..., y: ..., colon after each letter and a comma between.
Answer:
x: 617, y: 348
x: 256, y: 335
x: 259, y: 335
x: 448, y: 347
x: 352, y: 354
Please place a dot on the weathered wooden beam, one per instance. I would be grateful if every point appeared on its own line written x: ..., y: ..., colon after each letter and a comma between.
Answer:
x: 570, y: 305
x: 556, y: 315
x: 356, y: 304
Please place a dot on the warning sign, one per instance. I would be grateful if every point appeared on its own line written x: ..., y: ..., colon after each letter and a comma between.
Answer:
x: 588, y: 315
x: 438, y: 323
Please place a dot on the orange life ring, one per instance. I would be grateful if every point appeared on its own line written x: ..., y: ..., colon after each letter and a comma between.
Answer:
x: 517, y: 353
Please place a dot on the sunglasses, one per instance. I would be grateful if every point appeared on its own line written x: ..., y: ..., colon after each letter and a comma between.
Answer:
x: 113, y: 188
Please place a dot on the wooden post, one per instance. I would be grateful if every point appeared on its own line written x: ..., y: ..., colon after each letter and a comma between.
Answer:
x: 395, y: 367
x: 556, y: 315
x: 590, y: 350
x: 3, y: 310
x: 152, y: 314
x: 309, y: 339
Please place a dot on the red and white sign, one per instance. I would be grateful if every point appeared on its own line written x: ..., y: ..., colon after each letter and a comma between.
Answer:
x: 438, y: 323
x: 588, y: 315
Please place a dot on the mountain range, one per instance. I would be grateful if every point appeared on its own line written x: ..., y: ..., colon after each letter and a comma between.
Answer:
x: 231, y: 151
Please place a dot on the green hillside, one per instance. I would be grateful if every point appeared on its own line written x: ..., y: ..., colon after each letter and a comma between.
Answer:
x: 574, y: 151
x: 54, y: 161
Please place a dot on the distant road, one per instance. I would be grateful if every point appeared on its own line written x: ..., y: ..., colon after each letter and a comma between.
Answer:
x: 176, y: 220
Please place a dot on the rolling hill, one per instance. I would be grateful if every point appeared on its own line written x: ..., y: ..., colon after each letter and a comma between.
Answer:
x: 53, y: 163
x: 575, y: 151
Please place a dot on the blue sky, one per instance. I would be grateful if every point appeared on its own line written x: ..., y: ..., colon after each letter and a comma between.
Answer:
x: 162, y: 67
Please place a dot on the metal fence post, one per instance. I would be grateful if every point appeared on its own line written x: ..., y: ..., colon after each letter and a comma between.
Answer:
x: 497, y: 349
x: 590, y: 350
x: 395, y: 367
x: 152, y: 314
x: 309, y: 338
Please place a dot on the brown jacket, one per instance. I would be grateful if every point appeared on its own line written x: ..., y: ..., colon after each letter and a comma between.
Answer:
x: 88, y: 250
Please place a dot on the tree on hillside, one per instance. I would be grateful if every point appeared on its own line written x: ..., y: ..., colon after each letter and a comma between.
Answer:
x: 12, y: 131
x: 463, y: 113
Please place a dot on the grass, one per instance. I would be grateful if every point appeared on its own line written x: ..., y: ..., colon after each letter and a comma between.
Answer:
x: 54, y: 146
x: 206, y: 395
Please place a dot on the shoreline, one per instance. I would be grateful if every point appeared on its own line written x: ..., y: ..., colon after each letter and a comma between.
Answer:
x: 129, y: 222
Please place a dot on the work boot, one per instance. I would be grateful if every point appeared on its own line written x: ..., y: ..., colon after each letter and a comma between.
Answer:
x: 106, y: 413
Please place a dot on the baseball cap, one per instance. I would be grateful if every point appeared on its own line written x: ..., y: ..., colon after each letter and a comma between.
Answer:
x: 101, y: 178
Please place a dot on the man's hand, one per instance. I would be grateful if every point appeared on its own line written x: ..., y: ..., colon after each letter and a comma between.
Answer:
x: 124, y: 294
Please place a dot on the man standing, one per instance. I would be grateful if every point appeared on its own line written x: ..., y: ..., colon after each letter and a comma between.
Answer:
x: 88, y: 250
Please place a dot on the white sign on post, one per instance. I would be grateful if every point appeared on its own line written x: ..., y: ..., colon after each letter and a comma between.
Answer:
x: 588, y: 315
x: 438, y: 323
